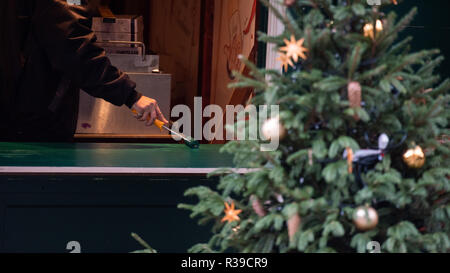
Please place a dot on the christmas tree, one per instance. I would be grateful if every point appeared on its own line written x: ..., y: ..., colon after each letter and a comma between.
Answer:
x: 363, y: 158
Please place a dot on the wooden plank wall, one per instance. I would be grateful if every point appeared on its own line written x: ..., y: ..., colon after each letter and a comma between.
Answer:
x: 175, y: 36
x: 234, y: 30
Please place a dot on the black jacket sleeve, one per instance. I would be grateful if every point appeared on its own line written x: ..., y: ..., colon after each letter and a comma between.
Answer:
x: 65, y: 33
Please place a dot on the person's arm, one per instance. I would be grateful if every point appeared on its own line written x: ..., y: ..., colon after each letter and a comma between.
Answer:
x: 69, y: 43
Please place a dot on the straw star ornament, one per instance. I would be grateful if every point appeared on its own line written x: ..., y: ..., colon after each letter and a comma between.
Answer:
x: 285, y: 61
x: 231, y: 215
x: 294, y: 49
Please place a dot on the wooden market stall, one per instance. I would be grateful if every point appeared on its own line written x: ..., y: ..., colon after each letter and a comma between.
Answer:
x: 197, y: 44
x: 95, y: 193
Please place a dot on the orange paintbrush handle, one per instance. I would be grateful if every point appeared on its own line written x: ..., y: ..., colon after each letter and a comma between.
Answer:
x: 157, y: 122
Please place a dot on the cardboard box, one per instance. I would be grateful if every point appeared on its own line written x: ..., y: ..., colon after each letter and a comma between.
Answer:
x: 119, y: 24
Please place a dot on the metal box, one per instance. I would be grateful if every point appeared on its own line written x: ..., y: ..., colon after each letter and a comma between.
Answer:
x: 119, y: 23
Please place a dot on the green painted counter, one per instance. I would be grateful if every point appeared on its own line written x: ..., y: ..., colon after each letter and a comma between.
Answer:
x: 84, y: 158
x: 97, y: 194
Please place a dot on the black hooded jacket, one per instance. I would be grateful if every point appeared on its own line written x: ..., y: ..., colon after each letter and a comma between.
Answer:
x: 60, y: 58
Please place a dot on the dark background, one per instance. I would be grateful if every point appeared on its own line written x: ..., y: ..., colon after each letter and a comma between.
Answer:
x: 430, y: 28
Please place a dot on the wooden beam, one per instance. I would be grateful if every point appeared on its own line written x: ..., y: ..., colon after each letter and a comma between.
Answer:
x: 105, y: 11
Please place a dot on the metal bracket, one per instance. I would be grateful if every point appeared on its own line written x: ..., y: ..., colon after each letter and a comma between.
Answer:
x: 141, y: 44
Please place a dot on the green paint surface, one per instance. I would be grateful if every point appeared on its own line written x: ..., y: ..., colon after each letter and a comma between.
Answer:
x: 112, y: 155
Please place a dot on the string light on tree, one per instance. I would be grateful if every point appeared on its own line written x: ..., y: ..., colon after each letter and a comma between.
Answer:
x: 236, y: 229
x: 370, y: 31
x: 235, y: 233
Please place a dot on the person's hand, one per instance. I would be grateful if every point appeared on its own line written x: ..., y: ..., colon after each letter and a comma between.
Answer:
x: 148, y: 110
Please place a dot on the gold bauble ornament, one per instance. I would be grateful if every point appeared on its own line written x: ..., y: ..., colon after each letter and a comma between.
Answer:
x: 273, y: 129
x: 414, y: 158
x: 365, y: 218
